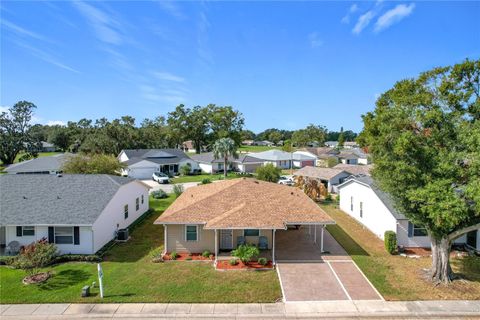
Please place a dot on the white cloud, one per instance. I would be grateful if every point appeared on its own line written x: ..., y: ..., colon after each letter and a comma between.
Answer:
x: 314, y: 40
x: 56, y: 123
x: 22, y: 31
x: 353, y: 8
x: 393, y: 16
x: 172, y: 9
x: 3, y: 109
x: 106, y: 29
x: 166, y: 76
x: 363, y: 21
x: 45, y: 56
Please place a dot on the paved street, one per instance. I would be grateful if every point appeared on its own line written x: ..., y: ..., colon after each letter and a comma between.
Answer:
x: 297, y: 310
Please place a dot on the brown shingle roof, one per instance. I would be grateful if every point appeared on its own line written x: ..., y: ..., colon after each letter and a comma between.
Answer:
x: 355, y: 168
x: 244, y: 203
x: 318, y: 172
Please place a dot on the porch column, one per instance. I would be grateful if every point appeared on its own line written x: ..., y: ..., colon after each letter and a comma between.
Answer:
x: 315, y: 233
x: 216, y: 246
x: 273, y: 246
x: 165, y: 239
x: 321, y: 239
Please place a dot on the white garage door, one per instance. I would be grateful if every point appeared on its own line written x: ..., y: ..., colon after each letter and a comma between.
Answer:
x: 141, y: 173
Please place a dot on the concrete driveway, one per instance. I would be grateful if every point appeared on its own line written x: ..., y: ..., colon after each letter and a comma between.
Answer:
x: 307, y: 274
x: 168, y: 188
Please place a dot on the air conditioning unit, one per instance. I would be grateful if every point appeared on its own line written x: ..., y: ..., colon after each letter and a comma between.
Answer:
x: 122, y: 235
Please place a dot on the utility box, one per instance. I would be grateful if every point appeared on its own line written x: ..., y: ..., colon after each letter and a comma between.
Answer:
x: 85, y: 291
x: 122, y: 235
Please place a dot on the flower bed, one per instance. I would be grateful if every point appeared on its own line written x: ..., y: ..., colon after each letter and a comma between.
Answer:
x: 36, y: 278
x: 188, y: 257
x: 253, y: 265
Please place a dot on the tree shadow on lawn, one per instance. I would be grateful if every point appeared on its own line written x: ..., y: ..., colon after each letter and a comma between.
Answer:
x: 467, y: 268
x: 64, y: 279
x: 350, y: 245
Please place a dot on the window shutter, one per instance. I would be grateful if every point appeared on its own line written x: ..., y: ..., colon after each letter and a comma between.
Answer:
x: 410, y: 229
x: 76, y: 235
x: 19, y: 231
x: 51, y: 235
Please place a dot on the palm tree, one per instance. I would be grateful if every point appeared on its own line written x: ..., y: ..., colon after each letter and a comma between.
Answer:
x: 222, y: 149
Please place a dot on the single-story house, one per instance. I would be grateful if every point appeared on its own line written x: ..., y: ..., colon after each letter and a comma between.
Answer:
x: 348, y: 157
x: 46, y: 165
x: 322, y: 154
x: 346, y: 144
x: 300, y: 160
x: 265, y: 143
x: 43, y: 146
x: 79, y: 213
x: 362, y: 199
x: 142, y: 163
x: 220, y: 216
x: 189, y: 146
x: 278, y: 158
x: 330, y: 177
x: 355, y: 169
x: 248, y: 142
x: 244, y: 163
x: 331, y: 144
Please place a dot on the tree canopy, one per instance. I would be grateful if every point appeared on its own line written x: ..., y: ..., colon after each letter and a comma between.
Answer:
x: 92, y: 164
x: 424, y: 137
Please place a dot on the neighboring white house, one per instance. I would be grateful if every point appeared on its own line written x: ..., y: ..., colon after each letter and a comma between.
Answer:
x: 278, y: 158
x: 47, y: 165
x: 265, y: 143
x: 330, y: 177
x: 142, y: 163
x: 365, y: 202
x: 79, y: 213
x: 244, y: 163
x: 303, y: 159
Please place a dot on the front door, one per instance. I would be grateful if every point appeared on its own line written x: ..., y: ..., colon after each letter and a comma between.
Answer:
x: 226, y: 239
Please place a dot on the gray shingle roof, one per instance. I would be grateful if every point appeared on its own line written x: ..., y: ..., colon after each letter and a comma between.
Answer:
x: 51, y: 163
x: 73, y: 199
x: 382, y: 195
x: 319, y: 172
x: 272, y: 155
x: 159, y: 156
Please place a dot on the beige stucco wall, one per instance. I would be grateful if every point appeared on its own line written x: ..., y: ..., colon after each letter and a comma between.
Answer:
x: 206, y: 239
x: 176, y: 240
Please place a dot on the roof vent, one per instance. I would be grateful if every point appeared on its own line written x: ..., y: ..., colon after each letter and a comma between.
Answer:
x: 24, y: 197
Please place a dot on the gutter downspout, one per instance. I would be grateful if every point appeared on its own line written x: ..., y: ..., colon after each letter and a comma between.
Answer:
x: 165, y: 239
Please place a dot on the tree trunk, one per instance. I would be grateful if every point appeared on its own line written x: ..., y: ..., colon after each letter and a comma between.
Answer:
x: 441, y: 271
x: 225, y: 167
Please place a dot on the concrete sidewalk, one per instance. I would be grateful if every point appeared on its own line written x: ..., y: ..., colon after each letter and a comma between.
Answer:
x: 289, y: 310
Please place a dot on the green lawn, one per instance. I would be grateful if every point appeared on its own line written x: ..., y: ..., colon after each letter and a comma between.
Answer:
x: 130, y: 276
x: 200, y: 177
x: 396, y: 277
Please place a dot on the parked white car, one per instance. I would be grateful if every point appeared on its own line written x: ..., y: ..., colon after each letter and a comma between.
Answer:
x: 286, y: 181
x: 160, y: 177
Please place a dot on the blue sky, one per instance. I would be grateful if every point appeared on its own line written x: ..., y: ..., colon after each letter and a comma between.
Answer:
x: 282, y: 64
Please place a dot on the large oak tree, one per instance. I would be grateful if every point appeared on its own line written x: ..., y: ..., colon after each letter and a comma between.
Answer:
x: 424, y: 136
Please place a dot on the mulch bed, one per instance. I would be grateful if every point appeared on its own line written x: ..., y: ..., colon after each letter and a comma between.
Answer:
x: 225, y: 265
x: 36, y: 278
x: 188, y: 257
x: 423, y: 252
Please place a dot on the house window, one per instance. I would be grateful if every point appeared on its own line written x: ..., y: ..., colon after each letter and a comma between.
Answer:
x: 64, y: 235
x: 351, y: 204
x: 416, y: 231
x: 125, y: 211
x: 137, y: 204
x: 251, y: 233
x: 28, y: 231
x: 142, y: 199
x: 191, y: 233
x: 361, y: 209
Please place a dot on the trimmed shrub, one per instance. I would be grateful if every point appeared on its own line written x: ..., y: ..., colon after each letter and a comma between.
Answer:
x: 174, y: 255
x: 178, y: 189
x: 268, y: 173
x: 6, y: 260
x: 206, y: 254
x: 390, y: 242
x: 159, y: 194
x: 246, y: 252
x: 185, y: 170
x: 233, y: 261
x: 206, y: 181
x: 77, y: 257
x: 35, y: 256
x: 262, y: 261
